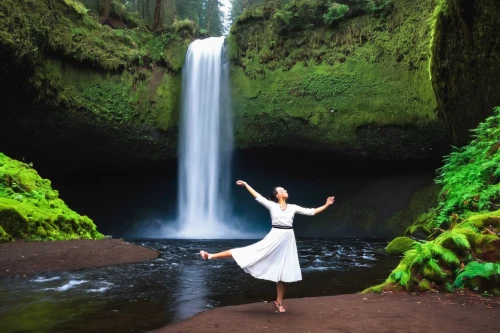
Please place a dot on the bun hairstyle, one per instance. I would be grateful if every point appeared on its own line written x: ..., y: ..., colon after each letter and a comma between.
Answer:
x: 273, y: 194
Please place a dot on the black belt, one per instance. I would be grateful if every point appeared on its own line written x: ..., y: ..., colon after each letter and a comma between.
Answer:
x: 281, y: 227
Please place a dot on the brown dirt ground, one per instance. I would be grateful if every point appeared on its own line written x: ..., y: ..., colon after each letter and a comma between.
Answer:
x: 24, y: 258
x: 358, y: 313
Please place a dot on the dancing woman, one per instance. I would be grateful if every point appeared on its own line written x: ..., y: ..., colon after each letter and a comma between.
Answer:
x: 275, y: 257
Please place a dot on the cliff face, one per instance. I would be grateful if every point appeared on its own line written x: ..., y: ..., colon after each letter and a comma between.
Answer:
x: 361, y: 87
x: 466, y: 63
x: 81, y: 92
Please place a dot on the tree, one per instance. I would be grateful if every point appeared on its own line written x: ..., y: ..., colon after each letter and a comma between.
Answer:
x: 157, y: 17
x: 211, y: 6
x: 106, y: 8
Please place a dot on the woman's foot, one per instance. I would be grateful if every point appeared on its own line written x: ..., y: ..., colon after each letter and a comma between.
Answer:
x: 204, y: 255
x: 279, y: 307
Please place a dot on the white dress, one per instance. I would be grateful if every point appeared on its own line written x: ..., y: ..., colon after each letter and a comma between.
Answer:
x: 275, y: 257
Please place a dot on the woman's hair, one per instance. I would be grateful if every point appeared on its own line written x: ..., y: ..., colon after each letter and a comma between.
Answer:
x: 273, y: 194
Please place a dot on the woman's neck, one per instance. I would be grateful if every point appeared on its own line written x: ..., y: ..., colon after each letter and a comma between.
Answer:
x: 282, y: 203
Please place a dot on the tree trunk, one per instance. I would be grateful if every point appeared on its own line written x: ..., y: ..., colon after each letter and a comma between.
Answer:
x: 157, y: 17
x: 106, y: 8
x: 211, y: 4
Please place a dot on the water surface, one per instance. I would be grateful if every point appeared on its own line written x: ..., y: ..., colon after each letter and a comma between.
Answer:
x: 144, y: 296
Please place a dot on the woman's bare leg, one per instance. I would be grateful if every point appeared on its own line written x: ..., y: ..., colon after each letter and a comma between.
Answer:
x: 280, y: 289
x: 223, y: 254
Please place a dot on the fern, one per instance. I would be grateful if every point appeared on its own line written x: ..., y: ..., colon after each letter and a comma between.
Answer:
x: 476, y: 269
x: 470, y: 175
x: 449, y: 257
x: 400, y: 275
x: 434, y: 267
x: 457, y: 236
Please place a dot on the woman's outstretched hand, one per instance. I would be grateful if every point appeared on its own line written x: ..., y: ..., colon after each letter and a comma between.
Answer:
x: 330, y: 201
x: 241, y: 183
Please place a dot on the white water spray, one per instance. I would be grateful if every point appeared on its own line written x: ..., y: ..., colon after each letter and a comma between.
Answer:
x: 206, y: 142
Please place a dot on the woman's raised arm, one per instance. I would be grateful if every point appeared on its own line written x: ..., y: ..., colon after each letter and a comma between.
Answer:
x: 249, y: 188
x: 329, y: 202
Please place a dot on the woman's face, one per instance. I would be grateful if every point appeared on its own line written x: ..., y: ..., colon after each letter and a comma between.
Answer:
x: 281, y: 193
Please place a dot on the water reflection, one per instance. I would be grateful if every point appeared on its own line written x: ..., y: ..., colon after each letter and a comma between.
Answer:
x: 192, y: 292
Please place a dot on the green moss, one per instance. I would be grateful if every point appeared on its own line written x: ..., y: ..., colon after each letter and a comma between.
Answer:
x: 84, y: 71
x: 110, y: 100
x: 30, y: 208
x: 5, y: 237
x: 336, y: 87
x: 425, y: 285
x: 440, y: 9
x: 34, y: 27
x: 399, y: 245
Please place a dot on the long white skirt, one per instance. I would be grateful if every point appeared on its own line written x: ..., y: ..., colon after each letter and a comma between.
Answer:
x: 274, y: 258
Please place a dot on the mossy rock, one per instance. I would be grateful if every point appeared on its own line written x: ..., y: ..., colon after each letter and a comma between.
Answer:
x: 399, y: 245
x: 5, y: 237
x: 425, y: 285
x: 12, y: 223
x: 31, y: 209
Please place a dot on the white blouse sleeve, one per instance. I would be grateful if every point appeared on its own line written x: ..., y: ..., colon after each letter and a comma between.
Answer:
x: 304, y: 211
x: 264, y: 202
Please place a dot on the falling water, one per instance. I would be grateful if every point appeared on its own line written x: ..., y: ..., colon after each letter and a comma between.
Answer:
x: 205, y: 145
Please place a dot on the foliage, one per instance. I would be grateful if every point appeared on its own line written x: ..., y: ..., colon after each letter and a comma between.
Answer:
x: 109, y: 100
x: 335, y: 13
x: 30, y: 30
x: 379, y: 8
x: 440, y: 9
x: 474, y: 270
x: 464, y: 248
x: 30, y: 208
x: 471, y: 174
x: 300, y: 14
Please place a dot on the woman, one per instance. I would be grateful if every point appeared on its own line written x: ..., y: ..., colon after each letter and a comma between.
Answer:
x: 275, y: 257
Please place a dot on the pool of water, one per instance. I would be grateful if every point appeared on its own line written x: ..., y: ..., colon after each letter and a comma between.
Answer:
x: 179, y: 284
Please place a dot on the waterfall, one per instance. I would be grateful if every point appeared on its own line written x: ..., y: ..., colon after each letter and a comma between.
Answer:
x: 205, y: 143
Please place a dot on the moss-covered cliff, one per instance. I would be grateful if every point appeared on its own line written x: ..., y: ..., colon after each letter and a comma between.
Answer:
x: 466, y: 63
x: 31, y: 209
x: 360, y: 87
x: 85, y: 89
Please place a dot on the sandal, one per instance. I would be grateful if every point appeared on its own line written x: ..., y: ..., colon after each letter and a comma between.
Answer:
x: 204, y: 255
x: 279, y: 307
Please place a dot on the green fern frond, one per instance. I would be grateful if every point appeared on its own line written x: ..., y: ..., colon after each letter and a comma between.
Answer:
x: 433, y: 249
x: 449, y: 257
x: 457, y: 237
x: 467, y: 225
x: 400, y: 275
x: 433, y: 265
x: 461, y: 240
x: 409, y: 257
x: 405, y: 278
x: 476, y: 269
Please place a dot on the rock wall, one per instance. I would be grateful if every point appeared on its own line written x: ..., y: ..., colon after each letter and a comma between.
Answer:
x: 466, y: 63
